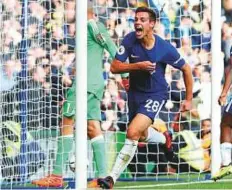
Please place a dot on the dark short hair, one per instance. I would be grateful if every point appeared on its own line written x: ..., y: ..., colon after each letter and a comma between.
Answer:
x: 152, y: 14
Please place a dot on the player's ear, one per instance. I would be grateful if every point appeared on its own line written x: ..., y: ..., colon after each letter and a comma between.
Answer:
x: 152, y: 23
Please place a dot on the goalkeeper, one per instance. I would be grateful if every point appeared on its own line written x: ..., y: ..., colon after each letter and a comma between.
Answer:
x: 98, y: 39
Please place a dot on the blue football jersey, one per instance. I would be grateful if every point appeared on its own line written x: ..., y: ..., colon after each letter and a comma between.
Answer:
x: 162, y: 53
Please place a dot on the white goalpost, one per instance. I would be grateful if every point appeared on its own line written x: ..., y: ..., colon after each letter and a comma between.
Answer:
x: 217, y: 75
x: 81, y: 98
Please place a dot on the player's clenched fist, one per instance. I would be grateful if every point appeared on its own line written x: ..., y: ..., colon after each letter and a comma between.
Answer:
x: 186, y: 105
x: 222, y: 100
x: 147, y: 66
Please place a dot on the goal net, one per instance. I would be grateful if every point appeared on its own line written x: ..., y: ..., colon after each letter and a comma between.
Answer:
x: 187, y: 25
x: 36, y: 69
x: 37, y: 42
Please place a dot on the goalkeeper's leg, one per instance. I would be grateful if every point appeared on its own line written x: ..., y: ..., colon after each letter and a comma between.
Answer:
x: 96, y: 137
x: 98, y: 145
x: 226, y: 146
x: 65, y: 143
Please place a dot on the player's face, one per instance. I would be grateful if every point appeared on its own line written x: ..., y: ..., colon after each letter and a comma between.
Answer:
x: 143, y: 25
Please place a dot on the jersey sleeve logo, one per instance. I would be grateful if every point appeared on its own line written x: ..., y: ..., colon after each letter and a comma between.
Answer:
x: 100, y: 38
x: 121, y: 50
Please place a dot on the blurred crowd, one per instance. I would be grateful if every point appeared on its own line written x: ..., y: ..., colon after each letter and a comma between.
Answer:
x: 37, y: 53
x: 50, y: 42
x: 226, y: 28
x: 49, y: 29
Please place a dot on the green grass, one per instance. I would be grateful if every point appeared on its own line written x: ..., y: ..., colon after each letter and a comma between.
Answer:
x: 184, y: 182
x: 176, y: 185
x: 225, y: 183
x: 28, y: 186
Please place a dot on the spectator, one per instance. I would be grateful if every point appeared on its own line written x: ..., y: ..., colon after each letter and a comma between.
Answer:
x: 205, y: 136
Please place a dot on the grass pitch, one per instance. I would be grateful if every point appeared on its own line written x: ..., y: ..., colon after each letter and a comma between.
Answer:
x: 225, y: 183
x: 182, y: 182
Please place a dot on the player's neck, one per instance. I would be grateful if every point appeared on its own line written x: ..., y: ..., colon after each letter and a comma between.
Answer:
x: 148, y: 41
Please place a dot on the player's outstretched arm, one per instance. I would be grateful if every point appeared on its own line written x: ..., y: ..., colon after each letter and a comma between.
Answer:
x: 227, y: 84
x: 188, y: 80
x: 121, y: 67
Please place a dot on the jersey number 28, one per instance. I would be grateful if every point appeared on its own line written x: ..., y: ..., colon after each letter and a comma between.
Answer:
x: 152, y: 105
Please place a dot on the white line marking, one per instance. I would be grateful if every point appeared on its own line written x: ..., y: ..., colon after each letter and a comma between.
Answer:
x: 173, y: 184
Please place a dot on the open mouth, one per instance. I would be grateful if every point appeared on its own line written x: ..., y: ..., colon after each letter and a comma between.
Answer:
x: 138, y: 30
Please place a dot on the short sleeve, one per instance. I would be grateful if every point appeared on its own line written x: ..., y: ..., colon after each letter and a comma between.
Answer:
x: 173, y: 57
x: 122, y: 53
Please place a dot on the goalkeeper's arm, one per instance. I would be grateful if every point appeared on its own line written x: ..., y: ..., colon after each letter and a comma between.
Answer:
x: 102, y: 37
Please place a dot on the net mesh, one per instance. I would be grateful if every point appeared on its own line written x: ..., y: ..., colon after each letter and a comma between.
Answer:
x: 37, y: 42
x: 36, y: 69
